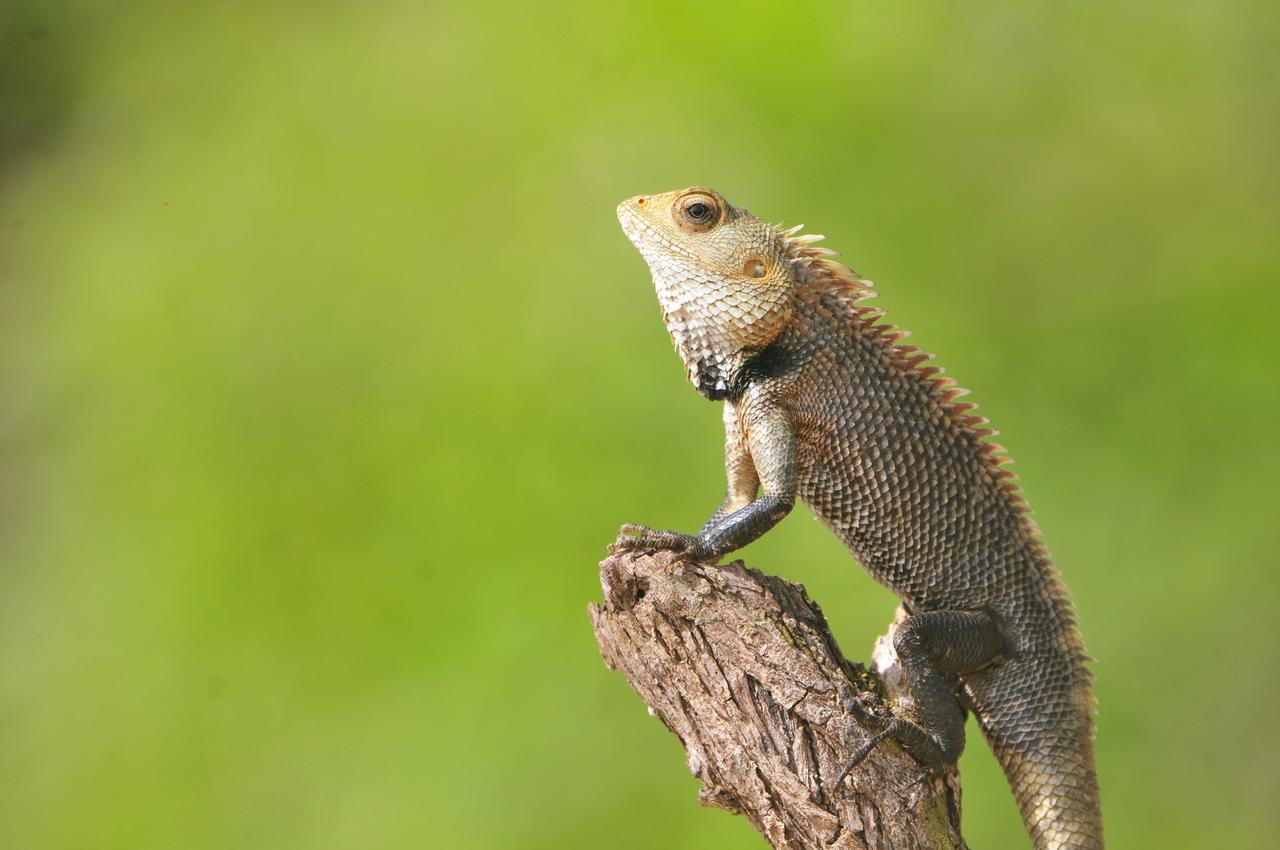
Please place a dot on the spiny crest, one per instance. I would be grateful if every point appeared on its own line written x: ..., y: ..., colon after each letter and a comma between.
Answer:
x: 815, y: 270
x: 840, y: 289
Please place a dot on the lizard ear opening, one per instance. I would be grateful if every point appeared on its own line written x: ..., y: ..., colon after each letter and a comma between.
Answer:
x: 754, y: 267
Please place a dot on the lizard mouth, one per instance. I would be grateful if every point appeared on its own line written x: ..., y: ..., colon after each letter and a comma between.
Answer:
x: 651, y: 242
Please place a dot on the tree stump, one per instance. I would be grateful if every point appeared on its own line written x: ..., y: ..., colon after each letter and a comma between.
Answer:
x: 742, y: 667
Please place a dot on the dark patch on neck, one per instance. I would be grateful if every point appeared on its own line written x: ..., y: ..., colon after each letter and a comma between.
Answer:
x: 711, y: 382
x: 773, y: 361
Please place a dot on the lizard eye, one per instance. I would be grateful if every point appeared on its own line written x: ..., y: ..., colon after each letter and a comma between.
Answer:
x: 699, y: 212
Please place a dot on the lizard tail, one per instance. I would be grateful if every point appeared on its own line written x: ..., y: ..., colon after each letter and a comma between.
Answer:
x: 1043, y: 738
x: 1057, y: 793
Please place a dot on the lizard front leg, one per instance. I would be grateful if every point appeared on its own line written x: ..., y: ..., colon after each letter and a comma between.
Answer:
x: 742, y: 482
x: 759, y: 453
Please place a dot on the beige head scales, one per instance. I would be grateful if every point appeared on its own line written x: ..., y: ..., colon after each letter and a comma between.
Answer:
x: 725, y: 279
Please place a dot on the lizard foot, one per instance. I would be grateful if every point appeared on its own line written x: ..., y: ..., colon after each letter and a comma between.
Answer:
x: 860, y: 712
x: 930, y: 647
x: 882, y: 727
x: 632, y: 537
x: 910, y: 735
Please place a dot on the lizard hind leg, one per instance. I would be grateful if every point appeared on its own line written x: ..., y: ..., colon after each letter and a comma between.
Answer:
x: 930, y: 646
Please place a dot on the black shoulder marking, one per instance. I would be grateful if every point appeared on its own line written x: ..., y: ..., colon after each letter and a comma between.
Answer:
x: 773, y: 361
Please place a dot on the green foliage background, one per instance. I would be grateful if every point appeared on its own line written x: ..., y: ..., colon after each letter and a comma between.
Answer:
x: 327, y: 376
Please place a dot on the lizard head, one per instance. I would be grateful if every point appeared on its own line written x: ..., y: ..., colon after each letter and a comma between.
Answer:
x: 723, y: 277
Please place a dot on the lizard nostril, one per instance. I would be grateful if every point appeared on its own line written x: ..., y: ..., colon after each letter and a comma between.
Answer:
x: 640, y: 202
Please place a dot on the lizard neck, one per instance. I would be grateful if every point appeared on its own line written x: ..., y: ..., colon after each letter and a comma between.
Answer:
x: 717, y: 364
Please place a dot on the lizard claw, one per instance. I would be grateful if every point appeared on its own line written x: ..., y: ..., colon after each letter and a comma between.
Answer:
x: 854, y: 707
x: 632, y: 537
x: 862, y: 753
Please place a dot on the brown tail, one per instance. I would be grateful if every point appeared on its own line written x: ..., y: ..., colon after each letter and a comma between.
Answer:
x: 1040, y: 728
x: 1057, y: 792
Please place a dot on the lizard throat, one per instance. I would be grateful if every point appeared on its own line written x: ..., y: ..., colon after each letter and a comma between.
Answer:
x: 710, y: 361
x: 711, y: 381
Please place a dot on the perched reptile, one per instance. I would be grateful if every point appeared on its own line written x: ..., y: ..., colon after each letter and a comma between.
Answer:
x: 821, y: 402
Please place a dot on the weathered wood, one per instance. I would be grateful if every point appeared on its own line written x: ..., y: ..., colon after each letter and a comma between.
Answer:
x: 743, y: 669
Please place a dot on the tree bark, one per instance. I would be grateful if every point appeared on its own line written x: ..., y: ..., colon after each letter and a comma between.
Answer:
x: 743, y: 669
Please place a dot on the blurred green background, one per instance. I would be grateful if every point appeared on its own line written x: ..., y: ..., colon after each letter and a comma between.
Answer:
x: 327, y: 376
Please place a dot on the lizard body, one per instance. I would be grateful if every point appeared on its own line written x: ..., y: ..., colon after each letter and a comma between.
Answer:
x: 823, y: 403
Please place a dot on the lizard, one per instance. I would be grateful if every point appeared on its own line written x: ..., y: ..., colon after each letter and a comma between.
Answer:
x: 822, y: 402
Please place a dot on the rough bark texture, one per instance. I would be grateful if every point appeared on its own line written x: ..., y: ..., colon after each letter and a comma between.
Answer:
x: 743, y: 669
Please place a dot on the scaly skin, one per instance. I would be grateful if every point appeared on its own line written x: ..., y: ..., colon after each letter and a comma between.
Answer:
x: 822, y: 403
